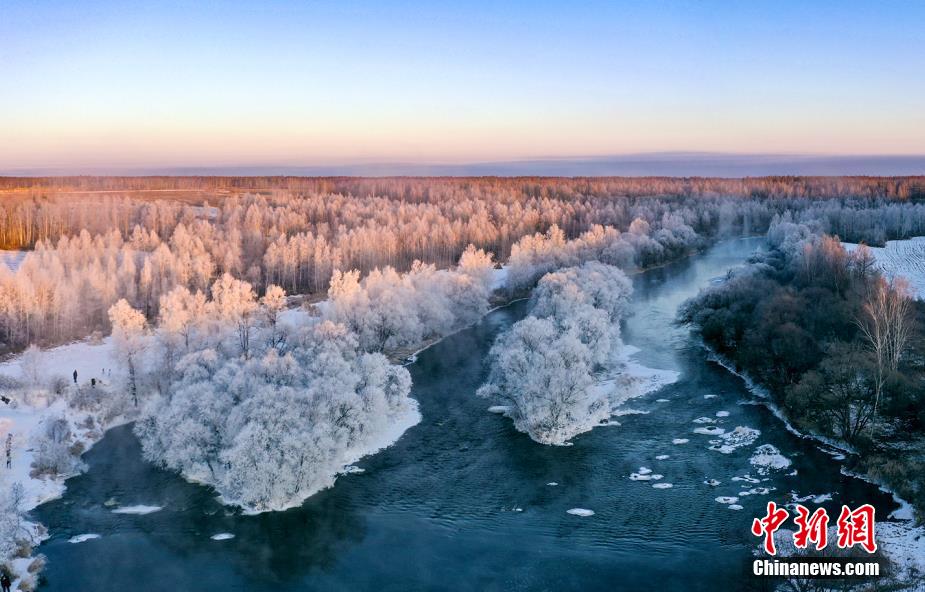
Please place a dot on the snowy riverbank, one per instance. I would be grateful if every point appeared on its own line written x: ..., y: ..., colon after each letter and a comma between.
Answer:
x: 33, y: 405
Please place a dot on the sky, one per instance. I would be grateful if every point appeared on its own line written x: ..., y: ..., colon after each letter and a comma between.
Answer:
x: 107, y: 86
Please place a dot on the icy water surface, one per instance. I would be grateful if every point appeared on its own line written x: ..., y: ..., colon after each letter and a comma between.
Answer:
x: 464, y: 502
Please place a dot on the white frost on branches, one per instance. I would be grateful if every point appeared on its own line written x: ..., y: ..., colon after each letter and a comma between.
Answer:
x: 270, y: 421
x: 544, y: 368
x: 390, y: 310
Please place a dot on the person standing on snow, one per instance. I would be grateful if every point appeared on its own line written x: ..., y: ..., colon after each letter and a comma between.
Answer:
x: 5, y: 582
x: 75, y: 376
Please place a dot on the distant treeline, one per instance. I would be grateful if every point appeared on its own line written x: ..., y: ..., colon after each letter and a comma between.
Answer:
x: 429, y: 188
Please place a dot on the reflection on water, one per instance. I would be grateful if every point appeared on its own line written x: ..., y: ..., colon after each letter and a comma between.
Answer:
x: 462, y: 501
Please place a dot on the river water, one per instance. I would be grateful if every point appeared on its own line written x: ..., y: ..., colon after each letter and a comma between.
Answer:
x: 462, y: 501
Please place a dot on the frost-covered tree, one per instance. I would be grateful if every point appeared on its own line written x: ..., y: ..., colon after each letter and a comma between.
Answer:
x: 128, y: 328
x: 269, y: 429
x: 543, y: 368
x: 235, y: 302
x: 53, y: 453
x: 180, y: 312
x: 390, y: 310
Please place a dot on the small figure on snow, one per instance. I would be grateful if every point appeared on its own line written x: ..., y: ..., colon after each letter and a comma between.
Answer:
x: 5, y: 582
x: 9, y: 451
x: 75, y: 376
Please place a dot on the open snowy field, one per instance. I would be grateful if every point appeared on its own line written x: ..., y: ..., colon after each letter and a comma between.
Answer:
x: 901, y: 258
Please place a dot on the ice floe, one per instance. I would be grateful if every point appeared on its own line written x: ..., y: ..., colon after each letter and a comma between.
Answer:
x: 767, y: 458
x: 712, y: 482
x: 722, y: 414
x: 815, y: 498
x: 662, y: 457
x: 727, y: 499
x: 747, y: 478
x: 580, y: 512
x: 757, y: 491
x: 139, y: 509
x: 710, y: 431
x: 703, y: 420
x: 680, y: 441
x: 737, y: 438
x: 222, y: 536
x: 83, y: 537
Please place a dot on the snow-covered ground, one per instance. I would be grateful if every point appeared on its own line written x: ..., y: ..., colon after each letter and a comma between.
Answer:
x: 901, y: 258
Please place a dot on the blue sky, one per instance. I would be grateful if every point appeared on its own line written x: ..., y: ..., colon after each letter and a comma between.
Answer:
x: 121, y: 84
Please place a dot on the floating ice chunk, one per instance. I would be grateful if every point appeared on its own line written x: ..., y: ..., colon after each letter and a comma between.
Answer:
x: 580, y: 512
x: 661, y: 457
x: 710, y: 396
x: 517, y: 509
x: 644, y: 470
x: 710, y: 431
x: 351, y: 469
x: 737, y: 438
x: 704, y: 420
x: 712, y: 482
x: 222, y: 536
x: 661, y: 400
x: 639, y: 477
x: 767, y: 458
x: 552, y: 484
x: 680, y: 441
x: 722, y: 414
x: 83, y: 537
x: 727, y: 499
x: 662, y: 486
x: 734, y: 507
x: 757, y: 491
x: 502, y: 409
x: 139, y: 509
x: 111, y: 502
x: 747, y: 478
x: 816, y: 498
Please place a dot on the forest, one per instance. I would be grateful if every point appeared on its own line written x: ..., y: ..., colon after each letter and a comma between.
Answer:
x: 87, y: 248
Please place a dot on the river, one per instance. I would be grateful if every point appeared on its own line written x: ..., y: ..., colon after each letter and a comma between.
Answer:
x: 462, y: 501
